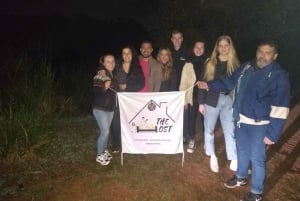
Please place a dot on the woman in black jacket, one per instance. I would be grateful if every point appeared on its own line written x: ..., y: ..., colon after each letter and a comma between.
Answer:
x: 131, y: 78
x: 104, y: 87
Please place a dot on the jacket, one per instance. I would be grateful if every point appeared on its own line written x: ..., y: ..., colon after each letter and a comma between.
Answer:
x: 187, y: 81
x: 155, y: 74
x: 262, y: 96
x: 134, y: 80
x: 104, y: 99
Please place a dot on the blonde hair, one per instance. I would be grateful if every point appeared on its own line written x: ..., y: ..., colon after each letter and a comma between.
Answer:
x: 232, y: 60
x: 166, y: 68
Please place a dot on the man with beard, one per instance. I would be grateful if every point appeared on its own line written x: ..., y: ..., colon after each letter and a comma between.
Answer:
x: 151, y: 68
x: 261, y: 106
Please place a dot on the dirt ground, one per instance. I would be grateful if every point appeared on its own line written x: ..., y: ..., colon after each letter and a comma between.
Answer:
x: 156, y: 177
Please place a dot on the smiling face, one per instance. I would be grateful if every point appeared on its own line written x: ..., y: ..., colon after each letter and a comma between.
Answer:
x: 109, y: 63
x: 127, y: 55
x: 177, y: 39
x: 223, y: 48
x: 199, y: 49
x: 265, y: 54
x: 146, y: 50
x: 163, y: 56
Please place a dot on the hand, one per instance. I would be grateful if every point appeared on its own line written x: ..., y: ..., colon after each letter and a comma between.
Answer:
x: 101, y: 73
x: 202, y: 85
x: 122, y: 86
x: 267, y: 141
x: 107, y: 84
x: 202, y: 109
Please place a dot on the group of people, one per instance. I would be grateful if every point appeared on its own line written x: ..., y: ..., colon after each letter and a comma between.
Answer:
x: 251, y: 100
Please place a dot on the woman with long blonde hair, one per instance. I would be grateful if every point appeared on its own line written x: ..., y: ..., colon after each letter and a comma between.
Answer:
x: 169, y: 76
x: 214, y: 104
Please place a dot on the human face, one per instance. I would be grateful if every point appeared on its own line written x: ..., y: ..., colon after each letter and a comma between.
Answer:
x: 199, y: 49
x: 146, y: 50
x: 109, y: 63
x: 223, y: 48
x: 177, y: 40
x: 164, y: 56
x: 265, y: 54
x: 126, y: 55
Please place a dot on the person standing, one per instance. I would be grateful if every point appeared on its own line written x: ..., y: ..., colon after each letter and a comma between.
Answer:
x: 192, y: 72
x: 179, y: 53
x: 130, y: 77
x: 218, y: 103
x: 261, y: 107
x: 104, y: 105
x: 151, y: 68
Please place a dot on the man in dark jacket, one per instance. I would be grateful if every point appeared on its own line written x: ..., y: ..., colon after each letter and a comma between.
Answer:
x: 261, y: 106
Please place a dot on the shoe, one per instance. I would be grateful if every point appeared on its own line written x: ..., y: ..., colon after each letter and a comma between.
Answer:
x: 233, y: 165
x: 235, y: 182
x: 214, y: 166
x: 102, y: 159
x: 108, y: 155
x: 191, y: 147
x: 252, y: 197
x: 115, y: 151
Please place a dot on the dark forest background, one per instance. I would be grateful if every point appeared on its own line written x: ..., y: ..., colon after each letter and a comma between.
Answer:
x: 48, y: 56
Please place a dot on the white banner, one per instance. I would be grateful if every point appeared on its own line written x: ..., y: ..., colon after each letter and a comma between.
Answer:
x: 152, y: 122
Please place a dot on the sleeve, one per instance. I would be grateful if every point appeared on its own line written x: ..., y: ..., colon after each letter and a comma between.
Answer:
x: 188, y: 78
x: 156, y: 77
x: 279, y: 107
x: 227, y: 82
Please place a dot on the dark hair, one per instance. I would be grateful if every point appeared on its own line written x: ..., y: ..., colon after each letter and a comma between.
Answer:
x: 270, y: 43
x: 176, y: 31
x: 146, y: 41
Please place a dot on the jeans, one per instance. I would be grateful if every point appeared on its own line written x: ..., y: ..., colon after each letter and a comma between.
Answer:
x: 189, y: 121
x: 103, y: 119
x: 224, y: 110
x: 252, y: 149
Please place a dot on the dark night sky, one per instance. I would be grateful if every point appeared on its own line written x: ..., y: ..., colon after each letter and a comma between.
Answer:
x: 97, y: 9
x: 145, y: 13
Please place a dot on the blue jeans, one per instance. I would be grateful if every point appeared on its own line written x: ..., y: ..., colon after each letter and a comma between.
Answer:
x: 224, y: 110
x: 103, y: 119
x: 252, y: 149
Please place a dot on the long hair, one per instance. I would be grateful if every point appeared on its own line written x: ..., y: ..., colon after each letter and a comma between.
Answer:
x: 166, y: 68
x: 135, y: 59
x: 232, y: 60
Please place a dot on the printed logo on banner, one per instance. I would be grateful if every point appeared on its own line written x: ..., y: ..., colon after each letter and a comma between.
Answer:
x: 153, y: 117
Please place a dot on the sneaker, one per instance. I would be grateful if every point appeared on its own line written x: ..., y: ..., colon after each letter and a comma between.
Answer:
x: 214, y: 166
x: 102, y: 159
x: 191, y: 147
x: 233, y: 165
x: 252, y: 197
x: 115, y: 151
x: 235, y: 182
x: 108, y: 155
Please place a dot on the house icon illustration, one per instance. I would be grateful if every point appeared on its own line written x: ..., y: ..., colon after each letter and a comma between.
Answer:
x: 152, y: 117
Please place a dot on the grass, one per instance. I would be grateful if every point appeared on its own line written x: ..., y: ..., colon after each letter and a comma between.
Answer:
x: 65, y: 169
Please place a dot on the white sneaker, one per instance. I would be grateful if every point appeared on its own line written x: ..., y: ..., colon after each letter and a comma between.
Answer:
x: 191, y: 147
x: 102, y: 159
x: 214, y: 166
x: 233, y: 165
x: 108, y: 155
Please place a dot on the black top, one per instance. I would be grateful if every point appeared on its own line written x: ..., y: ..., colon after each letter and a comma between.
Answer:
x: 170, y: 84
x: 179, y: 59
x: 134, y: 79
x: 211, y: 97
